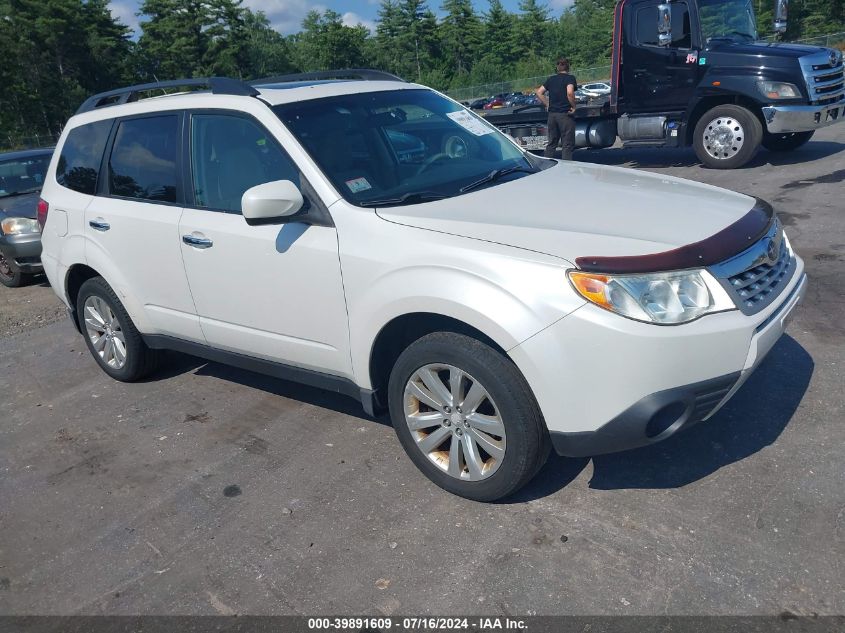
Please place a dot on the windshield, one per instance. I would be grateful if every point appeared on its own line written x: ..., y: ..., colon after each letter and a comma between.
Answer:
x: 24, y: 175
x: 402, y: 146
x: 728, y: 18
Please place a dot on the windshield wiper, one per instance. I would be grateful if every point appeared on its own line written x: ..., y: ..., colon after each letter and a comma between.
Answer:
x: 408, y: 198
x: 495, y: 175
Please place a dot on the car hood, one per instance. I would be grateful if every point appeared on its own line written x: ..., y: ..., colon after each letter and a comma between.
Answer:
x: 22, y: 206
x: 576, y: 210
x: 767, y: 49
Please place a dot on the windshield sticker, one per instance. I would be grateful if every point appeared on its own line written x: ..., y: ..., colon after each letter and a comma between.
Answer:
x: 469, y: 122
x: 357, y: 185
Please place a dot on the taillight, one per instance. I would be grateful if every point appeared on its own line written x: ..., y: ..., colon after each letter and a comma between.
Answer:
x: 43, y: 208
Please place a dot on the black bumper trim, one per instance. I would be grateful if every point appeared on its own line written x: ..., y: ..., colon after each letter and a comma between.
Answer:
x: 686, y: 406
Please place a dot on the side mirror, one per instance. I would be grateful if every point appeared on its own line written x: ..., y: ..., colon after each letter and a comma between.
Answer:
x: 781, y: 11
x: 271, y: 202
x: 664, y: 24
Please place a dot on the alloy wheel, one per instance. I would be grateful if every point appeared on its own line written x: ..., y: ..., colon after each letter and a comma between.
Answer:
x: 454, y: 422
x: 105, y: 332
x: 723, y: 138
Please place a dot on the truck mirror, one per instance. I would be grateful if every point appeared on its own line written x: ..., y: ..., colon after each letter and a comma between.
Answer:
x: 664, y: 24
x: 781, y: 10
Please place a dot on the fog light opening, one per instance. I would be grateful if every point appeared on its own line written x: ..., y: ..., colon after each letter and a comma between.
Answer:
x: 665, y: 419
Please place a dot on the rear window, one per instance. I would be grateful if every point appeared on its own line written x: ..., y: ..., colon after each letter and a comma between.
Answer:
x: 79, y: 162
x: 143, y: 160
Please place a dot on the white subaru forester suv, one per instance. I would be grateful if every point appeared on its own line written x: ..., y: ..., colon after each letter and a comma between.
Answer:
x: 375, y: 238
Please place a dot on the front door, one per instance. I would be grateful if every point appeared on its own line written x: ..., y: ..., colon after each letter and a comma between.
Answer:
x: 271, y: 291
x: 658, y: 78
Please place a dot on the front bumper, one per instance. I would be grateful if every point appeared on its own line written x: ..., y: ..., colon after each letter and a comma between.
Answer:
x: 23, y: 251
x: 605, y: 383
x: 787, y: 119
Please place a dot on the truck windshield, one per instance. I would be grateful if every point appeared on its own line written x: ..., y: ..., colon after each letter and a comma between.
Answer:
x: 24, y: 175
x: 732, y: 19
x: 401, y: 147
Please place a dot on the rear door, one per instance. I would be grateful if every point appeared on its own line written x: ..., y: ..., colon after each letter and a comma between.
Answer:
x: 272, y: 291
x: 132, y: 225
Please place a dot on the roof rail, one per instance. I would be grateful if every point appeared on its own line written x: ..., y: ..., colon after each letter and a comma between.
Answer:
x: 367, y: 74
x: 218, y: 85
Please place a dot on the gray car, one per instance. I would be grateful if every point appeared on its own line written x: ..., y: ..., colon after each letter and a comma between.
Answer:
x: 21, y: 177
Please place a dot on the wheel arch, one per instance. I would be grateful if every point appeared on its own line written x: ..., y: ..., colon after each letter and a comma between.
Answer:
x: 398, y: 333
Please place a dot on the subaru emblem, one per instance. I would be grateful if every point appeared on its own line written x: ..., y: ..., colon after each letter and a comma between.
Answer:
x: 772, y: 251
x: 834, y: 58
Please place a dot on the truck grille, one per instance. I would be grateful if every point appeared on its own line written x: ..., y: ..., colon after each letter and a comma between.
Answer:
x: 825, y: 77
x: 755, y: 277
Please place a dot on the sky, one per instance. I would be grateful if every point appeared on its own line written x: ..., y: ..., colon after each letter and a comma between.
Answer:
x: 286, y: 15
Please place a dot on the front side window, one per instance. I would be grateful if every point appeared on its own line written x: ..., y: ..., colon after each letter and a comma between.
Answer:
x: 79, y: 162
x: 143, y: 162
x: 401, y: 146
x: 230, y: 154
x: 23, y: 175
x: 732, y: 19
x: 681, y: 29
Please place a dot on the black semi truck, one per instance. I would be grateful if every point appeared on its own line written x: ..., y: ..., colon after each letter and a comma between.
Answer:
x: 692, y: 72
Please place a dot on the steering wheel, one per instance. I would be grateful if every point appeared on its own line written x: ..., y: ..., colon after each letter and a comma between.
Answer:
x: 456, y: 147
x: 431, y: 160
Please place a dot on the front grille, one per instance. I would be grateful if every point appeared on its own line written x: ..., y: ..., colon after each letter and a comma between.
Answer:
x: 825, y: 80
x: 755, y: 277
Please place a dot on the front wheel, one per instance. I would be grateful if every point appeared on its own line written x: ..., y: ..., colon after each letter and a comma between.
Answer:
x: 10, y: 275
x: 785, y: 142
x: 727, y: 137
x: 466, y: 416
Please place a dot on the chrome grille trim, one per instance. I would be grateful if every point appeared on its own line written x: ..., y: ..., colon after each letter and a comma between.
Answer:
x: 754, y: 278
x: 825, y: 80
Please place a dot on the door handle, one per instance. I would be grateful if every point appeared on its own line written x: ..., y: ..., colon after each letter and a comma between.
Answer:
x: 99, y: 224
x: 199, y: 242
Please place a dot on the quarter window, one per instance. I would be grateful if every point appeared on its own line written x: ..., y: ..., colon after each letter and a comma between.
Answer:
x: 79, y: 162
x: 143, y: 160
x: 230, y: 154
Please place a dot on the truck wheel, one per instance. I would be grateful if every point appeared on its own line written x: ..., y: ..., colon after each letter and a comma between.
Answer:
x: 112, y: 338
x: 727, y: 136
x: 785, y: 142
x: 466, y: 416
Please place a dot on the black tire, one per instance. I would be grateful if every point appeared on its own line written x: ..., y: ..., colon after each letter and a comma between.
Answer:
x: 527, y: 439
x: 785, y: 142
x: 11, y: 276
x: 140, y: 360
x: 747, y: 143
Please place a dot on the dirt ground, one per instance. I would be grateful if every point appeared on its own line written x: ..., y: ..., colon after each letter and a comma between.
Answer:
x: 32, y: 306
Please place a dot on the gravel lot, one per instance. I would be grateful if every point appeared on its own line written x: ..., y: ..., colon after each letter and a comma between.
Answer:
x: 210, y: 490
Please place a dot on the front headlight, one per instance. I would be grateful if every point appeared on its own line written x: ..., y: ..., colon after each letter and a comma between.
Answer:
x: 19, y: 226
x: 779, y: 90
x: 663, y: 298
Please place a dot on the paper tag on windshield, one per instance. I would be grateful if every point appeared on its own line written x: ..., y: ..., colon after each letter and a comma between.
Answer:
x: 358, y: 184
x: 469, y: 122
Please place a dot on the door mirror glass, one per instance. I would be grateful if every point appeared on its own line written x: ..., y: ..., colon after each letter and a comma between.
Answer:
x: 664, y: 24
x: 271, y: 202
x: 781, y: 10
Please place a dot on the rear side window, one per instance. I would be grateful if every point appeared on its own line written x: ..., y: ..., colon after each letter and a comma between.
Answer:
x: 230, y: 154
x: 79, y: 162
x: 143, y: 159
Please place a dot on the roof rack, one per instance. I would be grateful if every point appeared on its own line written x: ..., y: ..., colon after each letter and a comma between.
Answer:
x: 218, y: 85
x: 367, y: 74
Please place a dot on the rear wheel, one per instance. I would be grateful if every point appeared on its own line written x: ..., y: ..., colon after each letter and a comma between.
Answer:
x: 727, y: 137
x: 785, y: 142
x: 10, y: 276
x: 466, y: 417
x: 112, y: 338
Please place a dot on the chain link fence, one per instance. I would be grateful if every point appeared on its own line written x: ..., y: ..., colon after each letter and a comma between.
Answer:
x: 11, y: 142
x: 601, y: 73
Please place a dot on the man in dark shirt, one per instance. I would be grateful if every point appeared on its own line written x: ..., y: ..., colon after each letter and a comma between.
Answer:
x: 558, y: 95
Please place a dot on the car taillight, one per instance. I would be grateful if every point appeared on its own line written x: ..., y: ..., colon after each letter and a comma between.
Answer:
x: 43, y: 208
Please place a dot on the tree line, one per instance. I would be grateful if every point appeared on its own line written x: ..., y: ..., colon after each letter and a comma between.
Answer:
x: 57, y: 52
